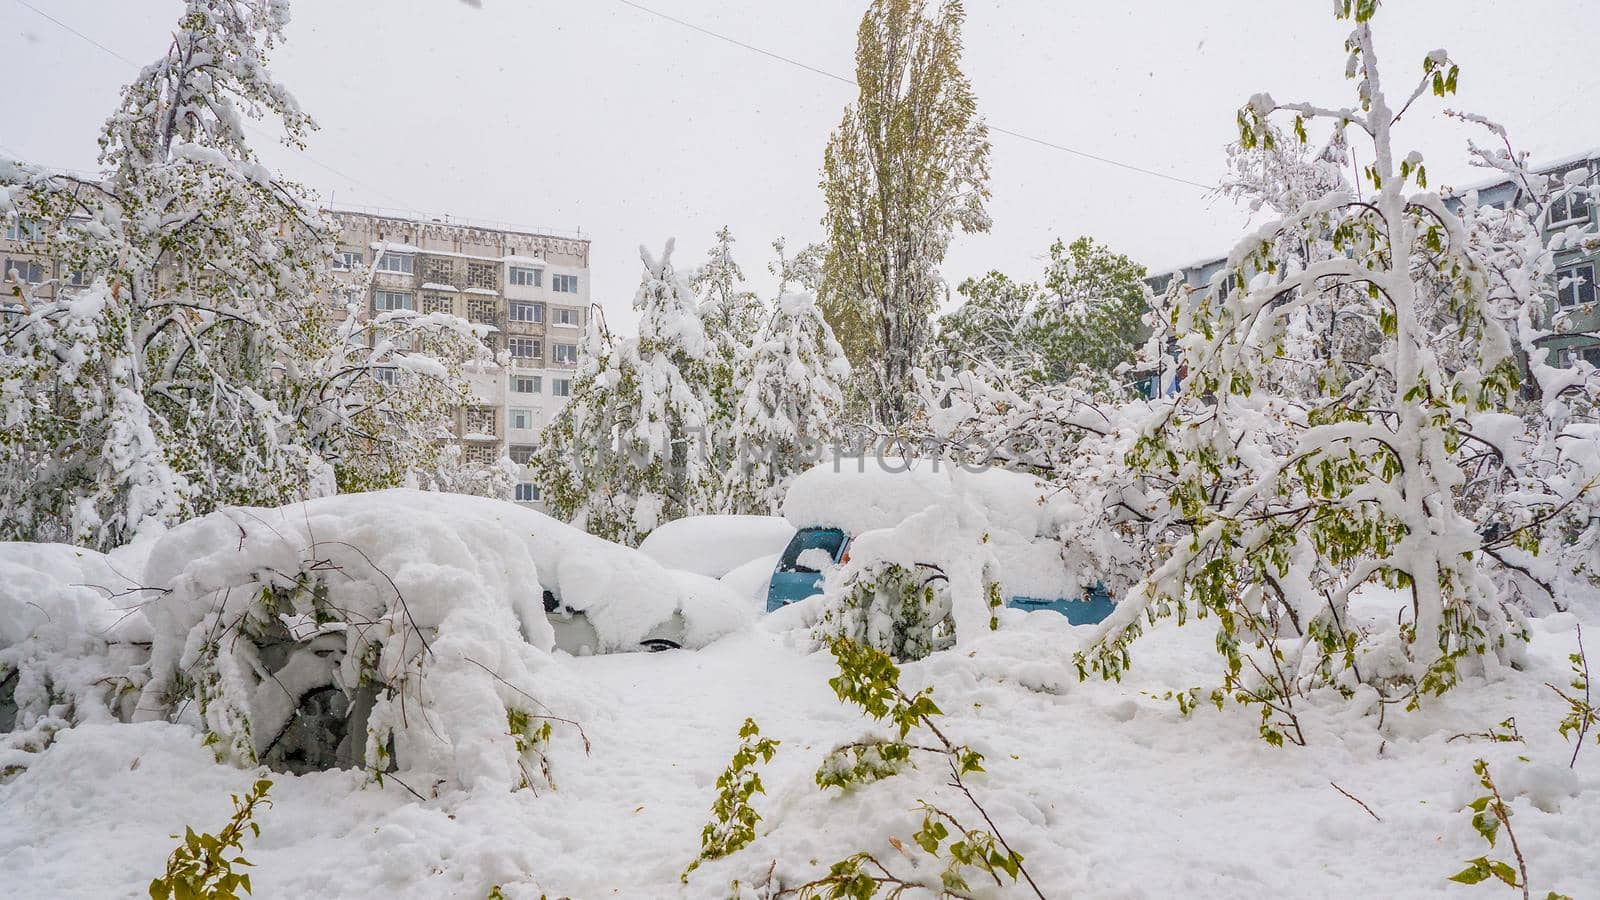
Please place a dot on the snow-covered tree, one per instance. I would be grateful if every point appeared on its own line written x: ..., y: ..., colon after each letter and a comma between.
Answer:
x: 732, y: 315
x: 189, y: 363
x: 629, y: 450
x: 790, y: 398
x: 907, y: 166
x: 1086, y: 314
x: 1281, y: 506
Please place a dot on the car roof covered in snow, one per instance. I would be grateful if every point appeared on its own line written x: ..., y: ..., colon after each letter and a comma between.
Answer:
x: 858, y: 494
x: 716, y: 545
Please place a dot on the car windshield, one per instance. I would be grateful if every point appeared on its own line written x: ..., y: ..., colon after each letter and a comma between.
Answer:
x: 829, y: 540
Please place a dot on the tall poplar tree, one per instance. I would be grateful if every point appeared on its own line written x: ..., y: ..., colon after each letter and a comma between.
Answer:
x: 908, y: 164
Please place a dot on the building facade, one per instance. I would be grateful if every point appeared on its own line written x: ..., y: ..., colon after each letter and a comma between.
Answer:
x: 1569, y: 227
x: 531, y: 287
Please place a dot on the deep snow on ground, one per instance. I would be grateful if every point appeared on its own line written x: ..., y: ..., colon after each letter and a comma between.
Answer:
x: 1103, y: 787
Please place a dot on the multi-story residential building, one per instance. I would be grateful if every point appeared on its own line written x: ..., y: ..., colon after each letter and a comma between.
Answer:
x: 532, y: 287
x: 1577, y: 306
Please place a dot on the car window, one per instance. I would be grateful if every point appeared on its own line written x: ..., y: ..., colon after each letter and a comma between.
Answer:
x: 828, y: 540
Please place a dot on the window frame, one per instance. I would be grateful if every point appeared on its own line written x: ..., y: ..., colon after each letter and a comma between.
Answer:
x: 411, y: 300
x: 409, y: 260
x: 561, y: 387
x: 531, y: 495
x: 525, y: 276
x: 535, y: 380
x: 1576, y: 290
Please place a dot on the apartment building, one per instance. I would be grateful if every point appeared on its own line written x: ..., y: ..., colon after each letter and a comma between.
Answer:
x: 1576, y: 310
x: 531, y: 286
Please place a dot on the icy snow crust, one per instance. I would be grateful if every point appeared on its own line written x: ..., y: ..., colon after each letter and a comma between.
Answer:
x: 716, y: 545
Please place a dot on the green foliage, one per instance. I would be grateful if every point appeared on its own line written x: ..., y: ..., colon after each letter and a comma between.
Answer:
x: 1086, y: 315
x: 734, y: 820
x: 904, y: 612
x: 908, y: 164
x: 200, y: 869
x: 1489, y: 815
x: 869, y: 679
x: 1581, y: 712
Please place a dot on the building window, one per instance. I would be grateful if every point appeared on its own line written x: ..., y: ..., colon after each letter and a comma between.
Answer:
x: 438, y: 303
x: 522, y: 454
x: 482, y: 310
x: 561, y: 387
x: 403, y: 263
x: 23, y: 230
x: 483, y: 275
x: 527, y: 312
x: 521, y: 418
x: 439, y: 270
x: 1575, y: 285
x: 525, y: 276
x: 527, y: 493
x: 388, y: 300
x: 525, y: 384
x: 345, y: 260
x: 384, y: 374
x: 565, y: 353
x: 481, y: 420
x: 24, y: 270
x: 1570, y: 206
x: 566, y: 315
x: 564, y: 284
x: 523, y: 348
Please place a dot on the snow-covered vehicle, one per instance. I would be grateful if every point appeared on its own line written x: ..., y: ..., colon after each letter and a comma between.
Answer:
x: 391, y: 628
x: 833, y: 503
x: 713, y: 546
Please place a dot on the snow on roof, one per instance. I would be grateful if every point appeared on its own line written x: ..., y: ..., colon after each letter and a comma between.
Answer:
x: 436, y: 286
x: 478, y: 290
x: 62, y: 586
x: 859, y: 494
x: 716, y: 545
x: 515, y: 260
x: 1544, y: 167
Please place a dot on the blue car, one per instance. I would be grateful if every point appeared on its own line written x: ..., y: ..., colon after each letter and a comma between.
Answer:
x: 793, y: 580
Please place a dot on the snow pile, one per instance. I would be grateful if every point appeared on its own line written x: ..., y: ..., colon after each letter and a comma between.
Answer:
x: 407, y: 628
x: 859, y: 494
x: 68, y: 636
x: 917, y: 587
x: 716, y: 545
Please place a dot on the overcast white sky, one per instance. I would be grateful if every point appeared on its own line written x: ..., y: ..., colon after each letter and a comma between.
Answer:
x: 592, y: 114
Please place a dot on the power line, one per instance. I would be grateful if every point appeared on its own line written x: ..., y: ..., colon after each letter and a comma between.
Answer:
x: 260, y: 132
x: 840, y: 78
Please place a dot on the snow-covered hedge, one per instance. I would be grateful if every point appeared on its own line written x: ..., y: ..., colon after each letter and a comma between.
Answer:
x: 69, y: 634
x: 407, y: 628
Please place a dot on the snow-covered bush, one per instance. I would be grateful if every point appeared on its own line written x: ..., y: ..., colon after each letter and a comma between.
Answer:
x: 70, y: 634
x: 397, y: 631
x: 1351, y: 382
x: 909, y: 590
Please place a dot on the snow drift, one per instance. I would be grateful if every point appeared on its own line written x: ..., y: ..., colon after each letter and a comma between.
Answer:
x: 396, y: 631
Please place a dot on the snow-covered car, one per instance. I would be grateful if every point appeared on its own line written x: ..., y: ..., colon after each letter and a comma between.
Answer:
x: 344, y: 615
x: 713, y: 546
x: 835, y: 502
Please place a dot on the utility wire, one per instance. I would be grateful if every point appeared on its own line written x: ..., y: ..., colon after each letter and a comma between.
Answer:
x: 840, y: 78
x: 261, y: 132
